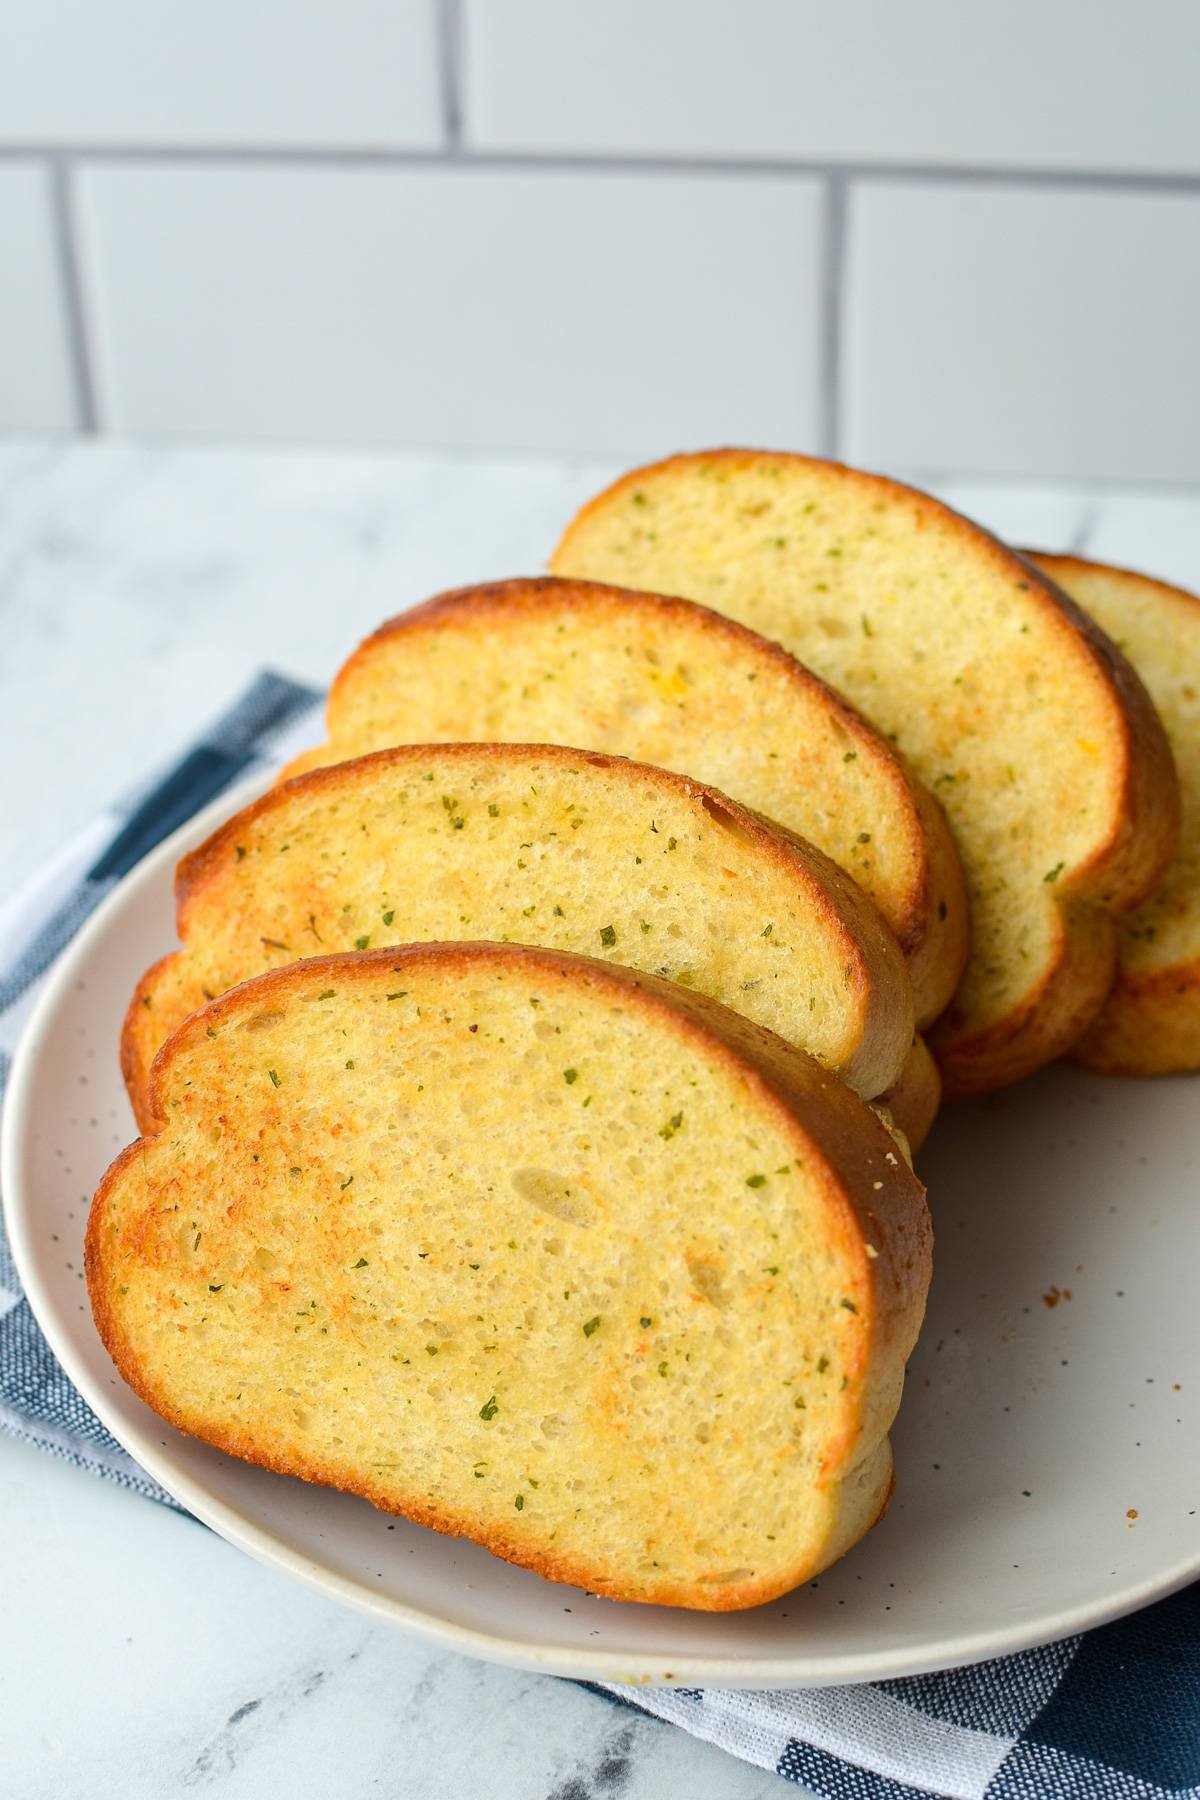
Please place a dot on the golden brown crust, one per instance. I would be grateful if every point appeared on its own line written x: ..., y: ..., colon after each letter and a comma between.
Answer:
x: 1150, y: 1021
x: 865, y: 948
x: 913, y: 1101
x: 1078, y: 974
x: 1126, y: 864
x: 931, y: 922
x: 1150, y: 1024
x: 137, y: 1041
x: 876, y: 1207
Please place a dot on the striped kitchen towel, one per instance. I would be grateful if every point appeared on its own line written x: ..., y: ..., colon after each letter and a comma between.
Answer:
x: 1113, y: 1715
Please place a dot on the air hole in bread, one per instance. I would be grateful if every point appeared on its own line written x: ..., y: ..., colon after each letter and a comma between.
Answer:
x: 262, y: 1021
x: 557, y: 1194
x: 706, y: 1280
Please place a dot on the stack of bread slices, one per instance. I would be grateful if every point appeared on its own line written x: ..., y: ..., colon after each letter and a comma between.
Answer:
x: 529, y: 1109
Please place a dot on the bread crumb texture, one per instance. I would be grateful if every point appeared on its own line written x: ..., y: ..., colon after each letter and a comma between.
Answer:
x: 564, y: 848
x: 531, y: 1250
x: 960, y: 652
x: 673, y: 684
x: 1150, y: 1023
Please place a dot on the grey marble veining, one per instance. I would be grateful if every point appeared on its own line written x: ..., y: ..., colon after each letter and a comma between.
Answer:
x: 145, y: 1659
x: 139, y: 589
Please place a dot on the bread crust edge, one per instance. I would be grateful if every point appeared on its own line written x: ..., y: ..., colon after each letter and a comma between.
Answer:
x: 875, y: 1062
x: 844, y: 1143
x: 1132, y: 854
x: 935, y: 947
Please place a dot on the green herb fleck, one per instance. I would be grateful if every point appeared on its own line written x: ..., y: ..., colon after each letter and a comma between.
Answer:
x: 360, y: 943
x: 756, y: 1181
x: 608, y: 935
x: 672, y: 1125
x: 361, y: 1263
x: 767, y: 930
x: 850, y: 756
x: 849, y: 1306
x: 662, y: 1368
x: 1054, y: 873
x: 822, y: 1364
x: 274, y: 1077
x: 388, y: 916
x: 570, y: 1076
x: 645, y: 1324
x: 519, y: 1502
x: 489, y: 1409
x: 591, y: 1325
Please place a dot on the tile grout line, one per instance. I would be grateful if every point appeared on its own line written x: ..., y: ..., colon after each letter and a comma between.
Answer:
x: 833, y: 259
x: 66, y: 246
x: 450, y: 34
x: 602, y: 163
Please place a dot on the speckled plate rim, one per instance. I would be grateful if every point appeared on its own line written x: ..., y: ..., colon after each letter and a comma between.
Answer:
x: 231, y: 1523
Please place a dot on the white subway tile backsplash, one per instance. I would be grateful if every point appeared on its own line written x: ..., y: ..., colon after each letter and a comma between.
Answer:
x: 1068, y: 85
x: 1007, y: 330
x: 220, y: 72
x: 36, y: 387
x: 493, y: 309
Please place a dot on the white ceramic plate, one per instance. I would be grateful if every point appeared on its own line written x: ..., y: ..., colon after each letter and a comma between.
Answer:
x: 1030, y: 1434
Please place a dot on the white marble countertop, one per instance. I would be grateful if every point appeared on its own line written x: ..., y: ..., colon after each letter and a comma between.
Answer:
x: 139, y: 589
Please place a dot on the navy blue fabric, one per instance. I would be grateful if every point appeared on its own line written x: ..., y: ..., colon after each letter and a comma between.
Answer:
x: 1131, y: 1697
x: 837, y: 1779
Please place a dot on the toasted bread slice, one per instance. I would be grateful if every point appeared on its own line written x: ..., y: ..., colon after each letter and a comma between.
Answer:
x: 666, y: 682
x: 1150, y: 1022
x: 644, y: 1330
x: 538, y: 844
x: 1033, y: 731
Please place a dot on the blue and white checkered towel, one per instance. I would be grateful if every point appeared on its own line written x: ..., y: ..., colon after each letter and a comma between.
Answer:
x: 1113, y: 1715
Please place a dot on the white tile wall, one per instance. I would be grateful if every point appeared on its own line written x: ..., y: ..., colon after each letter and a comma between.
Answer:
x: 242, y: 72
x: 1011, y: 331
x: 452, y: 307
x: 35, y: 373
x: 940, y: 236
x: 1023, y: 83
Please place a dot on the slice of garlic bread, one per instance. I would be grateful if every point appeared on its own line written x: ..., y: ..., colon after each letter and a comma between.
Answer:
x: 667, y: 682
x: 1150, y: 1023
x: 528, y: 1248
x: 1033, y: 731
x: 538, y: 844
